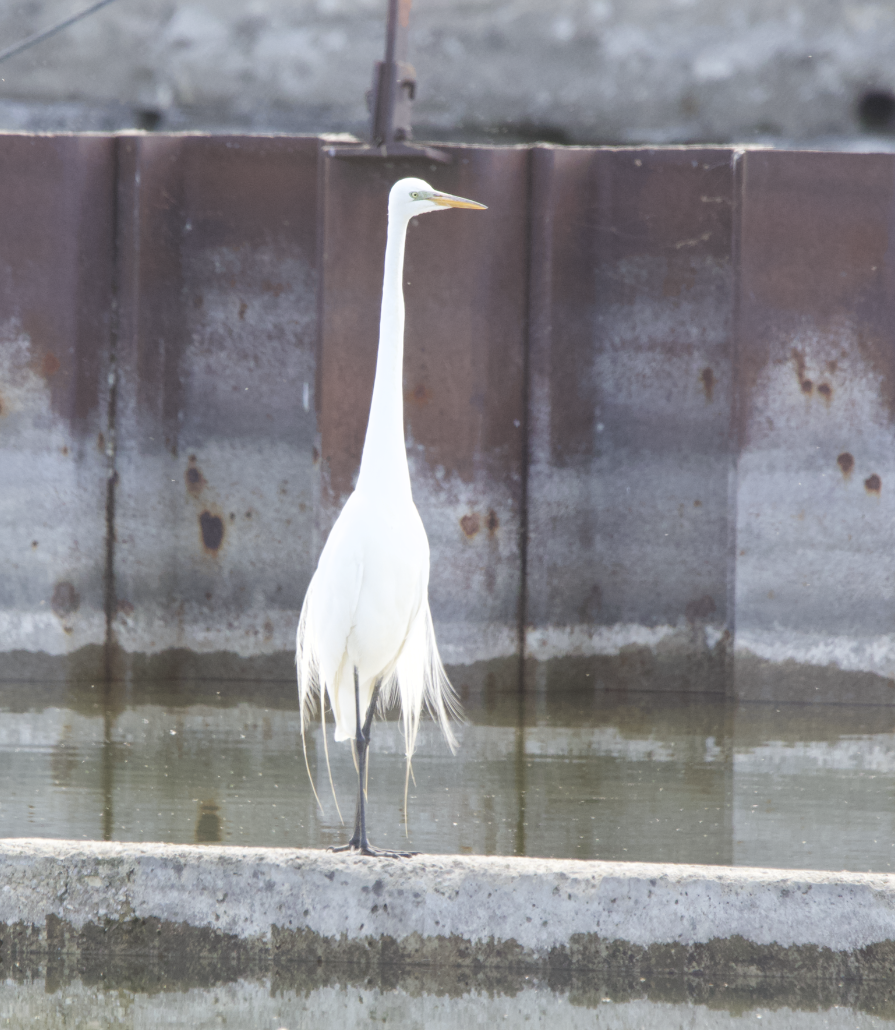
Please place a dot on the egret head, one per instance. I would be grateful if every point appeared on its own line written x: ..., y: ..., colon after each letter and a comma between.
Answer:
x: 410, y: 197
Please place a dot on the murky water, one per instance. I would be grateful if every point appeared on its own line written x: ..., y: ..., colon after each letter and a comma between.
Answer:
x: 643, y: 777
x: 648, y: 777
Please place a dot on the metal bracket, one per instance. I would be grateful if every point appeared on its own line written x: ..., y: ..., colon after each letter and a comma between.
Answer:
x: 390, y: 98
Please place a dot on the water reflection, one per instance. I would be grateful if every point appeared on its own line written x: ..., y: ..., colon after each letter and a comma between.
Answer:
x: 252, y: 1004
x: 626, y: 776
x: 208, y: 826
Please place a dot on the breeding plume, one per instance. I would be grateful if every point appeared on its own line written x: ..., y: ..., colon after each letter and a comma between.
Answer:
x: 365, y: 637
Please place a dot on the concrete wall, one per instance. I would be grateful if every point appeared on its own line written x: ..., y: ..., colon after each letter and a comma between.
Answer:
x: 647, y: 404
x: 242, y: 908
x: 626, y: 71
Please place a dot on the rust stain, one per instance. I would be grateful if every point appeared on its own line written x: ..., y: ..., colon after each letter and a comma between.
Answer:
x: 826, y: 391
x: 708, y: 382
x: 212, y: 528
x: 873, y: 484
x: 125, y: 607
x: 470, y: 524
x: 275, y: 288
x: 832, y: 366
x: 100, y: 443
x: 65, y: 449
x: 49, y: 365
x: 492, y: 521
x: 195, y: 481
x: 33, y: 544
x: 243, y: 308
x: 846, y: 462
x: 799, y: 360
x: 419, y: 396
x: 65, y: 599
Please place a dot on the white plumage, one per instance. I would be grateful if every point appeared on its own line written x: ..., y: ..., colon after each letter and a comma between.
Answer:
x: 365, y: 634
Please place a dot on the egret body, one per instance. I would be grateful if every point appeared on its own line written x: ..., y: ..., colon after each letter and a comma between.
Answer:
x: 365, y: 635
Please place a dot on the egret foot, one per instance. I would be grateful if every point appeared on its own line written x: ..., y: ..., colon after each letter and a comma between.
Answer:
x: 359, y: 842
x: 371, y: 852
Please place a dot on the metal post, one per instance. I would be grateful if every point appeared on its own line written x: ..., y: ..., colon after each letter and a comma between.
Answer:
x: 391, y: 96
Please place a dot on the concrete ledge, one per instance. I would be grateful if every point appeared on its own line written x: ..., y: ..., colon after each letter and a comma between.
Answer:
x: 253, y: 908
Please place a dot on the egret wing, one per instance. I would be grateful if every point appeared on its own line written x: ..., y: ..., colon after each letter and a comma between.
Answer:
x: 328, y: 615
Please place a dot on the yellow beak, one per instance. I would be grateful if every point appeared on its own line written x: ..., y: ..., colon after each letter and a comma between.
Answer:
x: 448, y: 200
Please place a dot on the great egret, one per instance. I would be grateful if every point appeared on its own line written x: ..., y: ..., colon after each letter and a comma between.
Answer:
x: 365, y: 634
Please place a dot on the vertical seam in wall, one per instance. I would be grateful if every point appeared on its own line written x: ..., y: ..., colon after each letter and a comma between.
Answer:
x: 111, y: 417
x: 522, y: 614
x: 108, y: 822
x: 738, y: 158
x: 519, y: 845
x: 320, y: 249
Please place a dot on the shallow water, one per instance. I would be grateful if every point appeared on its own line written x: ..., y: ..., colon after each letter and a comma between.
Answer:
x: 639, y: 777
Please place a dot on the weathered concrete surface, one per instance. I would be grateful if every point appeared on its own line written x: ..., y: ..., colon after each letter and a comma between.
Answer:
x: 302, y: 906
x: 631, y: 372
x: 578, y: 70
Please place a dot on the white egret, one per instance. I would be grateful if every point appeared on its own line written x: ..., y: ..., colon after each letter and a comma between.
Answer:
x: 365, y: 635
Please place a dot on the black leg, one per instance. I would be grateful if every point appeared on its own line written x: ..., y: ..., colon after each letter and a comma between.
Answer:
x: 359, y: 841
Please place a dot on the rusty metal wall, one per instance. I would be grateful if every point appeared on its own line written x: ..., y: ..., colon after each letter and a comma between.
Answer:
x: 465, y: 286
x: 815, y: 574
x: 56, y: 288
x: 648, y: 401
x: 629, y: 417
x: 217, y: 365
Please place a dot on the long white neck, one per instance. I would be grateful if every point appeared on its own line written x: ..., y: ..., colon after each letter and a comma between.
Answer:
x: 383, y: 466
